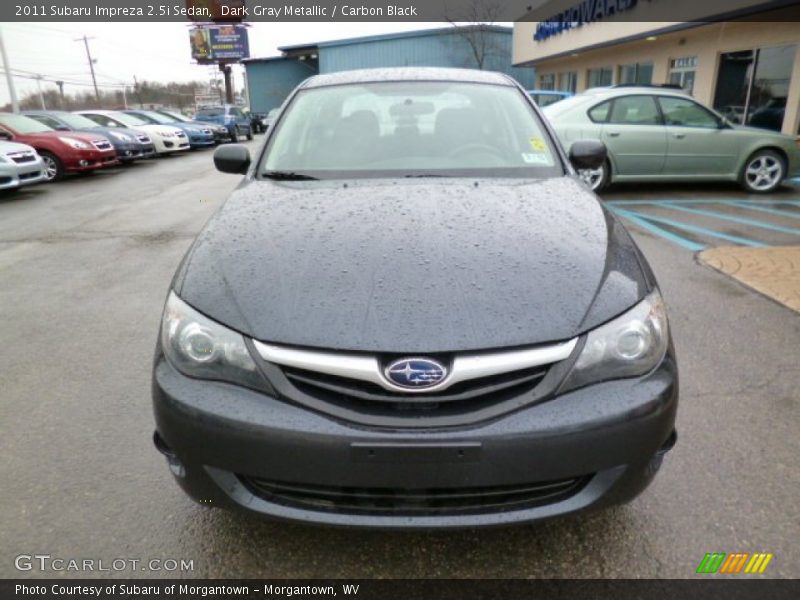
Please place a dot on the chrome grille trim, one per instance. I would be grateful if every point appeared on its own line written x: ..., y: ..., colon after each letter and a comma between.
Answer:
x: 367, y: 368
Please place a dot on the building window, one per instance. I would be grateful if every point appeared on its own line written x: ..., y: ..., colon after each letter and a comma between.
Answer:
x: 599, y: 77
x: 636, y: 73
x: 568, y: 82
x: 682, y: 72
x: 547, y: 82
x: 753, y: 85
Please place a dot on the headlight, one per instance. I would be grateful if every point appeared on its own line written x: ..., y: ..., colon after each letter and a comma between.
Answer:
x: 121, y: 136
x: 202, y: 348
x: 630, y: 345
x: 73, y: 143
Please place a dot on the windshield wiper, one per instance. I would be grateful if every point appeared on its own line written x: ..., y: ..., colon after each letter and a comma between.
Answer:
x: 288, y: 176
x: 426, y: 175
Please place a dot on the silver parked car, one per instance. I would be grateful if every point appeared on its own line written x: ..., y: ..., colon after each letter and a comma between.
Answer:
x: 19, y: 165
x: 660, y: 134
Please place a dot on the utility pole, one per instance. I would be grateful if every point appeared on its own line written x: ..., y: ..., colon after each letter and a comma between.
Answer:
x: 9, y: 78
x: 39, y: 88
x: 91, y: 64
x: 125, y: 95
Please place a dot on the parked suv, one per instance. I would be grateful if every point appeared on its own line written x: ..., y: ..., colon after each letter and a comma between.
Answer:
x: 232, y: 117
x: 129, y: 144
x: 412, y: 313
x: 62, y: 152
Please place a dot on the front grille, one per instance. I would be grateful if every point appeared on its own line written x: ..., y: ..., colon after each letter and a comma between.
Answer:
x: 370, y: 398
x: 32, y: 175
x: 102, y: 144
x: 22, y: 157
x: 206, y: 131
x: 414, y: 501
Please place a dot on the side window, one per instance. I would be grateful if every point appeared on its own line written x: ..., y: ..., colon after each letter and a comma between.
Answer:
x: 635, y: 110
x: 599, y: 114
x: 685, y: 113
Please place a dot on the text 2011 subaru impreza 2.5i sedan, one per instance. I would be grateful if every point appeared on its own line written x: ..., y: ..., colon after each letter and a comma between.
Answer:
x: 412, y: 313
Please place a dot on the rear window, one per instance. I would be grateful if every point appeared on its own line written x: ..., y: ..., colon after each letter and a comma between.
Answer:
x: 216, y: 111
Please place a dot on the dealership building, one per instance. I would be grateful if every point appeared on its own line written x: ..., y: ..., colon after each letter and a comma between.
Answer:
x: 270, y: 80
x: 745, y: 61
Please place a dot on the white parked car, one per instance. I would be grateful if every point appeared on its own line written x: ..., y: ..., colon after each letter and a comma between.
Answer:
x: 19, y: 165
x: 166, y: 138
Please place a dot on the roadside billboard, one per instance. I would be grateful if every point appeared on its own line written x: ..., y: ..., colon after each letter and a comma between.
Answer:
x: 219, y: 43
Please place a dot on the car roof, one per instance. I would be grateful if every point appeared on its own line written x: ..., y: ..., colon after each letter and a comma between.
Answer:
x: 407, y: 74
x: 613, y: 92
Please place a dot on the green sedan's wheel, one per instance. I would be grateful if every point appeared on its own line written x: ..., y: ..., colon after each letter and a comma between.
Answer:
x: 763, y: 172
x: 53, y: 168
x: 596, y: 179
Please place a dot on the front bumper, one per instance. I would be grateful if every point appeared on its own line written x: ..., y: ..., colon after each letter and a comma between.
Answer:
x: 127, y: 152
x: 223, y: 441
x: 88, y: 160
x: 17, y: 175
x: 201, y: 141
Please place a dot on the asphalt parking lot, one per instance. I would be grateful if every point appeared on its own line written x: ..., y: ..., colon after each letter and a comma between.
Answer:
x: 84, y: 269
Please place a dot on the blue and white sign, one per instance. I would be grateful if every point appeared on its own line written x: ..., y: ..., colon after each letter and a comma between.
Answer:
x: 587, y: 11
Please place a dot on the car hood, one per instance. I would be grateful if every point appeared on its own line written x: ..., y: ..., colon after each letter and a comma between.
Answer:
x: 53, y: 135
x: 418, y: 266
x: 6, y: 147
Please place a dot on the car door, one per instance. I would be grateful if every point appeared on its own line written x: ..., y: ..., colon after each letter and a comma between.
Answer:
x: 241, y: 119
x: 635, y: 136
x: 698, y: 142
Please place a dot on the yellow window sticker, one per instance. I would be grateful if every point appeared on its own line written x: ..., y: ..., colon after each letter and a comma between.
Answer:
x: 538, y: 144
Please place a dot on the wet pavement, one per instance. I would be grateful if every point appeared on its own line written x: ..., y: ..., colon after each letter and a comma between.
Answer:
x: 85, y: 266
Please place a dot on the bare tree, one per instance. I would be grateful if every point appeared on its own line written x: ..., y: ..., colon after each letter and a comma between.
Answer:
x: 479, y: 32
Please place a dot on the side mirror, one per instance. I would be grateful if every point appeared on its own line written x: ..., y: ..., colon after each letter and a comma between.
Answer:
x: 588, y: 154
x: 232, y: 158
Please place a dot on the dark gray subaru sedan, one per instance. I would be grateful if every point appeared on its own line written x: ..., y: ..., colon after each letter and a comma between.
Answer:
x: 412, y: 313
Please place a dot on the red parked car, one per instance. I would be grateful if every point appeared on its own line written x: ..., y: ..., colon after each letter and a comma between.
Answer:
x: 62, y: 152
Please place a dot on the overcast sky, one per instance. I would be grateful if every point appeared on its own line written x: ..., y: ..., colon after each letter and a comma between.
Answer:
x: 152, y: 51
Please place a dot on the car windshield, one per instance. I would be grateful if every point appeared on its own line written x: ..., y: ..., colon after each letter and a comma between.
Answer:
x: 128, y: 120
x: 215, y: 111
x: 174, y: 117
x: 77, y: 121
x: 154, y: 117
x: 23, y: 125
x: 411, y: 129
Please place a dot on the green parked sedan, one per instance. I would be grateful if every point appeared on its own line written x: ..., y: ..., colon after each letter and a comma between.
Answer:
x: 656, y: 134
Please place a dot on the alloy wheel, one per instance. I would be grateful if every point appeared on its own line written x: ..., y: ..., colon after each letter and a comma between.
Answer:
x: 593, y: 177
x: 50, y: 168
x: 764, y: 172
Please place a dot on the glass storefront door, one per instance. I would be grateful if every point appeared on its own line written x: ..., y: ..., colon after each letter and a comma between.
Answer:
x: 752, y: 86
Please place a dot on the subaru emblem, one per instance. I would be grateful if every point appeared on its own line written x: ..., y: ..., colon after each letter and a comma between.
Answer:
x: 415, y: 373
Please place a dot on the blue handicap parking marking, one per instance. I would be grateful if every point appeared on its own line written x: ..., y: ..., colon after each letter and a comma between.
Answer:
x: 685, y: 233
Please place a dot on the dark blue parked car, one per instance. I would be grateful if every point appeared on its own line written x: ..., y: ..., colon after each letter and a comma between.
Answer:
x: 230, y: 116
x: 129, y: 144
x: 199, y: 136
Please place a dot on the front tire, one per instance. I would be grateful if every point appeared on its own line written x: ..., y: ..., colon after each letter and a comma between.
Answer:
x: 597, y: 179
x: 235, y: 135
x: 763, y: 172
x: 250, y: 134
x: 53, y: 167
